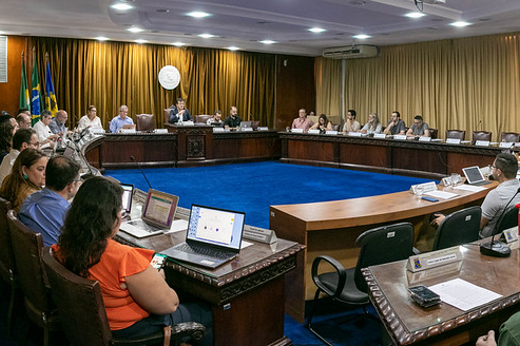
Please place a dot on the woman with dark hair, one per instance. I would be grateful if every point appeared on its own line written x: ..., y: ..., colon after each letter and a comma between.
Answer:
x: 90, y: 120
x: 6, y: 138
x: 27, y: 177
x: 137, y: 299
x: 323, y: 124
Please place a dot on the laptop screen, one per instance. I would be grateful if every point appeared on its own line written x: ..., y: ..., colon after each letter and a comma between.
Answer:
x: 160, y: 208
x: 216, y: 226
x: 473, y: 174
x: 128, y: 190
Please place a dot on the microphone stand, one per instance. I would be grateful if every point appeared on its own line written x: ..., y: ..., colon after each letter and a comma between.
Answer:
x: 139, y: 166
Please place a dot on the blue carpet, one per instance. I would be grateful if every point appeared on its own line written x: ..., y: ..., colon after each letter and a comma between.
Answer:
x: 253, y: 187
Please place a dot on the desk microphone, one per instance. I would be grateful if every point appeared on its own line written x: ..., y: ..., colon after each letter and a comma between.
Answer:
x: 139, y: 166
x: 497, y: 249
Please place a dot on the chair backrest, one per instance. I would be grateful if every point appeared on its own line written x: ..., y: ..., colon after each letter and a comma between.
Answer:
x: 167, y: 115
x: 145, y: 122
x: 457, y: 134
x: 255, y: 124
x: 79, y: 302
x: 383, y: 245
x: 27, y: 246
x: 433, y: 133
x: 508, y: 220
x: 460, y: 227
x: 510, y: 137
x: 481, y: 136
x: 7, y: 264
x: 202, y: 118
x: 335, y: 127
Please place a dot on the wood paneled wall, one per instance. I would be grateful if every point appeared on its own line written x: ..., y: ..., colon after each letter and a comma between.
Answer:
x: 10, y: 91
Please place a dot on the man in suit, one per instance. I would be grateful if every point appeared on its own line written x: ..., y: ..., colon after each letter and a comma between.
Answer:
x: 179, y: 113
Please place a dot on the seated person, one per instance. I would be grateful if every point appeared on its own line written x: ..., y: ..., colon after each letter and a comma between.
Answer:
x: 419, y: 128
x: 23, y: 139
x: 373, y: 124
x: 6, y: 138
x: 323, y: 124
x: 509, y: 334
x: 90, y: 120
x: 24, y: 120
x: 216, y: 119
x: 121, y: 119
x: 233, y: 121
x: 179, y: 113
x: 302, y: 122
x: 137, y: 299
x: 45, y: 135
x: 57, y: 124
x: 351, y: 124
x: 44, y: 212
x: 504, y: 171
x: 396, y: 125
x: 27, y: 177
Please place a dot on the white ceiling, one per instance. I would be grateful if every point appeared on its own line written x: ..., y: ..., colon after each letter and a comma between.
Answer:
x: 243, y: 23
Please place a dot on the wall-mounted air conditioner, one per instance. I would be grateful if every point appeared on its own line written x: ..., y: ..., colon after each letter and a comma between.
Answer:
x: 351, y: 52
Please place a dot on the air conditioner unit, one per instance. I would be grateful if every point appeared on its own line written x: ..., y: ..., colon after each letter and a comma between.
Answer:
x: 351, y: 52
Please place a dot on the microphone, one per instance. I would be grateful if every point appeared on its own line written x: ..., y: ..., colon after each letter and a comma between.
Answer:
x: 144, y: 175
x: 497, y: 249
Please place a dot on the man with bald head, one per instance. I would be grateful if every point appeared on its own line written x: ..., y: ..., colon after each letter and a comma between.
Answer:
x: 57, y: 124
x: 24, y: 121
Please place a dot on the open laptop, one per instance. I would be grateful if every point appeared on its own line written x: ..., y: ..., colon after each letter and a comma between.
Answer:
x: 128, y: 192
x: 244, y: 124
x: 474, y: 176
x: 213, y: 237
x: 157, y: 215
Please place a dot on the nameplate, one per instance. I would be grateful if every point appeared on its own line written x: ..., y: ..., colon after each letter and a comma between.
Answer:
x: 425, y: 139
x: 97, y: 131
x: 506, y: 145
x: 434, y: 259
x: 421, y: 276
x: 246, y: 129
x: 400, y: 137
x: 511, y: 234
x: 162, y: 131
x: 140, y: 196
x: 355, y: 134
x: 127, y: 130
x: 218, y: 129
x: 379, y: 135
x: 517, y: 144
x: 331, y: 133
x: 314, y: 132
x: 297, y: 130
x: 426, y: 187
x: 452, y: 141
x: 185, y: 123
x: 262, y: 128
x: 261, y: 235
x: 482, y: 143
x: 182, y: 213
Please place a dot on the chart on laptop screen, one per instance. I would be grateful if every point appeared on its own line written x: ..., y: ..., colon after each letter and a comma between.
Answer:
x: 158, y: 208
x: 212, y: 225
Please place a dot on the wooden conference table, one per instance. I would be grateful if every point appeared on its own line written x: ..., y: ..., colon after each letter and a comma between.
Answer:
x: 445, y: 325
x: 331, y: 228
x: 246, y: 295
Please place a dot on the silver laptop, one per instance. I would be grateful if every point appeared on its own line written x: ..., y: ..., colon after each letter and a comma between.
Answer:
x: 157, y: 215
x: 244, y: 124
x: 213, y: 237
x: 474, y: 176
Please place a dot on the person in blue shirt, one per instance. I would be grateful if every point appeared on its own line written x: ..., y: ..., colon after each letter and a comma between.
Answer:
x: 57, y: 124
x: 44, y: 212
x: 179, y: 113
x: 122, y: 119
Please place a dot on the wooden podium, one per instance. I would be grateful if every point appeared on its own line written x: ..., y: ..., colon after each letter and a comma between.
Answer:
x: 194, y: 143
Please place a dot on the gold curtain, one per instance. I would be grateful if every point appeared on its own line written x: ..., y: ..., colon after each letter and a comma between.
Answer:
x: 469, y: 84
x: 109, y: 74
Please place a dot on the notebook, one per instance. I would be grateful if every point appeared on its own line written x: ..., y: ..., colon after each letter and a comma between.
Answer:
x: 474, y: 176
x: 213, y: 237
x: 128, y: 192
x: 156, y: 217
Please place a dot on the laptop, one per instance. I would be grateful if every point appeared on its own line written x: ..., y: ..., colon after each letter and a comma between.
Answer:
x: 244, y: 124
x: 474, y: 176
x: 157, y: 215
x: 213, y: 237
x: 128, y: 192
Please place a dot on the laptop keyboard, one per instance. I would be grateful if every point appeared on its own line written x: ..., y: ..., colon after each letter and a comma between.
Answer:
x: 144, y: 226
x: 205, y: 251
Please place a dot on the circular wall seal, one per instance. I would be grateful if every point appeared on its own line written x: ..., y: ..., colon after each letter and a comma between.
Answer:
x: 169, y: 77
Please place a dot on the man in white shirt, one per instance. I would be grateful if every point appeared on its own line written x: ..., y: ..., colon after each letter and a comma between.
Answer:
x: 23, y: 139
x: 45, y: 136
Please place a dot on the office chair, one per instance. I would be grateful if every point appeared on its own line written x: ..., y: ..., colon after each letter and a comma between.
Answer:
x: 457, y: 134
x: 481, y: 136
x: 458, y: 228
x: 379, y: 245
x: 27, y: 246
x: 433, y: 133
x: 80, y: 302
x: 145, y: 122
x: 7, y: 262
x: 508, y: 220
x: 511, y: 137
x: 202, y: 119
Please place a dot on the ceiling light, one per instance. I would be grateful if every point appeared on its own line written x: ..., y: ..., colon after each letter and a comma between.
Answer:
x: 178, y: 44
x: 267, y: 41
x: 362, y: 37
x: 140, y: 41
x: 233, y: 48
x: 316, y: 30
x: 414, y: 15
x: 102, y: 38
x: 198, y: 14
x: 460, y: 24
x: 121, y: 6
x: 135, y: 29
x: 207, y: 35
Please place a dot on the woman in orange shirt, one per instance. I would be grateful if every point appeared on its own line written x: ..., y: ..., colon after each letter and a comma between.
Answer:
x: 137, y: 298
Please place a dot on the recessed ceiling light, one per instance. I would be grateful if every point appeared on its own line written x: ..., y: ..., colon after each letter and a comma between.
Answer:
x: 233, y: 48
x: 460, y: 24
x: 414, y: 15
x: 178, y: 44
x: 140, y: 41
x: 267, y: 41
x: 102, y: 38
x: 316, y: 30
x: 198, y: 14
x: 122, y: 6
x: 207, y: 35
x: 135, y: 29
x: 362, y: 37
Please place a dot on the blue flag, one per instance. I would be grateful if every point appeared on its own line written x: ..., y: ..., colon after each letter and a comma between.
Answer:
x: 50, y: 96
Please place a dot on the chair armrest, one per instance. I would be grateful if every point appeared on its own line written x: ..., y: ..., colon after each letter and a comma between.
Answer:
x: 340, y: 270
x: 188, y: 331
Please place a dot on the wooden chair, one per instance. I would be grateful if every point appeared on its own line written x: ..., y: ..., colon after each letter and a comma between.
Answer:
x: 167, y: 115
x: 80, y: 302
x: 202, y: 118
x: 27, y: 246
x: 460, y: 227
x: 7, y: 262
x: 456, y: 134
x: 481, y: 136
x: 433, y: 133
x: 510, y: 137
x: 145, y: 122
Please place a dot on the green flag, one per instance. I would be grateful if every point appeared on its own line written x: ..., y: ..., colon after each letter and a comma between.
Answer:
x: 25, y: 97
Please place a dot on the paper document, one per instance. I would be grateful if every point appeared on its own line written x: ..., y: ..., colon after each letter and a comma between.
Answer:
x: 441, y: 194
x: 471, y: 188
x: 245, y: 244
x: 463, y: 295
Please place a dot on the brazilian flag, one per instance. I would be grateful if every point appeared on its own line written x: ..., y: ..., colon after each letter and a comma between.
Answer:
x: 35, y: 94
x: 25, y: 97
x: 50, y: 96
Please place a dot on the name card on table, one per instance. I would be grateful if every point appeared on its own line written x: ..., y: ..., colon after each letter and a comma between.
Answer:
x: 127, y: 130
x: 506, y: 145
x: 511, y: 234
x: 246, y: 129
x: 426, y: 187
x: 452, y: 141
x: 297, y: 130
x: 379, y: 135
x: 425, y: 139
x: 355, y: 134
x: 434, y: 259
x: 262, y: 128
x: 482, y: 143
x: 261, y: 235
x: 314, y: 132
x: 400, y: 137
x: 420, y: 276
x: 218, y: 129
x: 160, y: 131
x: 330, y: 132
x: 97, y: 131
